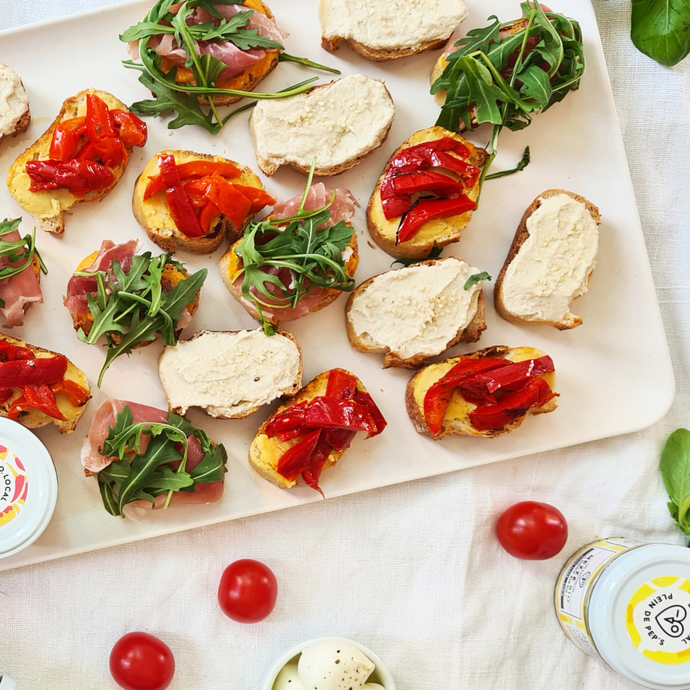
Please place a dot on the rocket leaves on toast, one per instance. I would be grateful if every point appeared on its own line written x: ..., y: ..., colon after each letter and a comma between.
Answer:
x: 132, y: 308
x: 675, y: 471
x: 661, y: 29
x: 145, y: 475
x: 13, y: 251
x: 476, y: 278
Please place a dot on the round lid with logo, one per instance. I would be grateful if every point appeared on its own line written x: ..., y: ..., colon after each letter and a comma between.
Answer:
x: 639, y: 616
x: 28, y: 487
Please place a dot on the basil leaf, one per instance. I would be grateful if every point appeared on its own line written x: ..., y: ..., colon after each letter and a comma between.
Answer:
x: 476, y: 278
x: 675, y: 471
x: 661, y: 29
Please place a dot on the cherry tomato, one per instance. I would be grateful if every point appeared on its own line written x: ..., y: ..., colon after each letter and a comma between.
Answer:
x: 140, y: 661
x: 248, y: 590
x: 532, y: 531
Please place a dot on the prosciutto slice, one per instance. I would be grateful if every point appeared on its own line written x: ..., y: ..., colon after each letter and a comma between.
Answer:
x: 342, y: 208
x: 93, y: 462
x: 19, y: 290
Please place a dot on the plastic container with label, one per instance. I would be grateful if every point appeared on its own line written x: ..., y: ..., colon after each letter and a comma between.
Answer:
x: 28, y: 488
x: 629, y: 603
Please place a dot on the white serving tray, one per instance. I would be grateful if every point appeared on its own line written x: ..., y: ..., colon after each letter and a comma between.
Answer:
x: 614, y: 372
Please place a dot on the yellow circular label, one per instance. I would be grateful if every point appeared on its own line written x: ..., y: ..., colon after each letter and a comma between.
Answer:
x: 658, y: 620
x: 14, y: 485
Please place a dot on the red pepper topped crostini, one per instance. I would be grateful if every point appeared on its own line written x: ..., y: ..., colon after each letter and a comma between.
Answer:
x: 313, y: 430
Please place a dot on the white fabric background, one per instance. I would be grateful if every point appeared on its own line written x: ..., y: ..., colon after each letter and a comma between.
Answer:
x: 413, y: 571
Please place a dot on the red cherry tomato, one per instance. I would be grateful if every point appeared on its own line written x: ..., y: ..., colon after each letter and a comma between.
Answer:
x: 140, y: 661
x: 532, y: 531
x: 248, y: 590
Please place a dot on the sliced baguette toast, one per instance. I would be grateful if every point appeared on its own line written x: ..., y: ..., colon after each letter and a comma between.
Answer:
x: 230, y: 374
x: 416, y: 312
x: 15, y: 114
x: 549, y: 304
x: 265, y: 452
x: 339, y: 124
x: 383, y: 31
x: 456, y: 420
x: 34, y: 419
x: 153, y: 214
x: 437, y: 232
x: 48, y: 206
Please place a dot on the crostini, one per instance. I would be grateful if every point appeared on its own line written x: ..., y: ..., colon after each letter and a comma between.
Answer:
x: 230, y: 374
x: 339, y: 124
x: 416, y: 313
x: 486, y: 393
x: 193, y: 201
x: 131, y: 299
x: 426, y: 194
x: 20, y: 273
x: 79, y: 159
x: 182, y: 464
x: 39, y: 387
x: 313, y: 429
x: 15, y: 115
x: 322, y: 252
x: 550, y: 262
x: 384, y: 31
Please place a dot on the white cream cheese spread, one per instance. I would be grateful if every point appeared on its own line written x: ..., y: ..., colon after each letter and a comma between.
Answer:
x: 334, y: 123
x: 554, y: 264
x: 13, y: 100
x: 229, y: 374
x: 416, y: 310
x: 391, y: 24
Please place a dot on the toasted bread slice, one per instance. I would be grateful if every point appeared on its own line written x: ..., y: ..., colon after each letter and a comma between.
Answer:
x: 153, y: 214
x: 383, y: 31
x: 542, y: 275
x: 245, y: 81
x: 339, y: 124
x: 48, y: 206
x: 231, y: 265
x: 15, y: 115
x: 416, y: 313
x: 34, y: 419
x: 230, y: 374
x: 434, y: 233
x: 456, y: 420
x: 265, y: 452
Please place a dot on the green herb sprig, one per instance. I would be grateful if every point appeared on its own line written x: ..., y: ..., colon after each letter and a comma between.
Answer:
x: 17, y: 250
x: 661, y: 29
x: 133, y: 308
x: 137, y: 475
x: 675, y: 471
x: 476, y: 278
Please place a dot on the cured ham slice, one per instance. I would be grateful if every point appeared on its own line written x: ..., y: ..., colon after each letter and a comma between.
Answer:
x: 342, y: 208
x: 19, y: 290
x: 93, y: 462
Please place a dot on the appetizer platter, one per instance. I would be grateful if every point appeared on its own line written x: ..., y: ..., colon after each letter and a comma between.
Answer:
x: 603, y: 370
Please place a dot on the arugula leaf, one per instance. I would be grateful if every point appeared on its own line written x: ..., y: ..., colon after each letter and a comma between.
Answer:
x: 661, y: 29
x: 522, y: 164
x: 14, y: 251
x: 675, y: 471
x: 476, y: 278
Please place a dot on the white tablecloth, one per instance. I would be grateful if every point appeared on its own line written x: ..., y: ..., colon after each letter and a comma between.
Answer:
x: 412, y: 571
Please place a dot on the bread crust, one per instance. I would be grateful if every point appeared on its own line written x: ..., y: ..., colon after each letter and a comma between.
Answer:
x: 383, y: 231
x: 164, y: 233
x: 470, y: 334
x: 521, y: 235
x: 22, y: 125
x: 415, y: 392
x: 267, y: 466
x: 332, y: 44
x: 34, y: 419
x: 293, y: 390
x: 19, y: 182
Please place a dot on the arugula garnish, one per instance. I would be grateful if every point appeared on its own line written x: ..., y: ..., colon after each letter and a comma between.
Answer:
x: 17, y: 250
x: 132, y: 308
x: 138, y: 475
x: 184, y: 98
x: 476, y: 278
x: 312, y: 254
x: 496, y: 79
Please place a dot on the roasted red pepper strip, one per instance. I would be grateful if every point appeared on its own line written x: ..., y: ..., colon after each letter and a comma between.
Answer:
x: 312, y: 474
x: 77, y: 175
x: 338, y: 439
x: 298, y: 458
x: 428, y: 209
x: 208, y: 212
x: 102, y: 133
x: 229, y: 200
x: 259, y: 198
x: 10, y: 352
x: 417, y: 157
x: 466, y: 170
x: 394, y: 205
x: 42, y: 398
x: 439, y: 395
x: 535, y: 393
x: 196, y: 191
x: 32, y: 372
x: 330, y: 413
x: 178, y: 202
x: 5, y: 395
x: 287, y: 420
x: 65, y: 141
x: 130, y: 128
x: 422, y: 181
x: 341, y: 385
x: 77, y: 395
x: 365, y: 399
x: 193, y: 170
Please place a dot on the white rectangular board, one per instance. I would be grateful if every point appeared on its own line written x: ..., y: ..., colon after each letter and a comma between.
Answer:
x: 614, y: 372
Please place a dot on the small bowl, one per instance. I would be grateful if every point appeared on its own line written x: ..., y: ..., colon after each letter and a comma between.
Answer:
x: 381, y: 675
